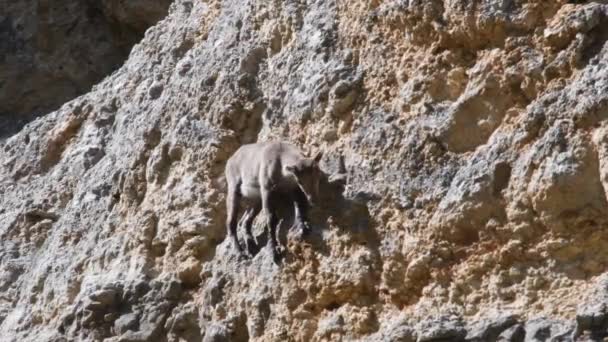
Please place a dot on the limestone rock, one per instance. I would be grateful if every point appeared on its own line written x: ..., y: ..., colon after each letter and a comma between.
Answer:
x: 465, y: 194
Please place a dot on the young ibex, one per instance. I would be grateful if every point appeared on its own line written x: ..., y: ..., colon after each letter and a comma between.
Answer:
x: 266, y: 173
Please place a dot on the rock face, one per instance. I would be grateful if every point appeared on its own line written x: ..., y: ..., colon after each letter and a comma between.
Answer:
x: 475, y: 206
x: 52, y: 51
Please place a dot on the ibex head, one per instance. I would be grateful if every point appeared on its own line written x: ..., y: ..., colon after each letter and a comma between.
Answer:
x: 308, y: 175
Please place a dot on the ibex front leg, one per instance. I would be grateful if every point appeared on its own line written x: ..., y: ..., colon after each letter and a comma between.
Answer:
x: 272, y: 221
x: 301, y: 213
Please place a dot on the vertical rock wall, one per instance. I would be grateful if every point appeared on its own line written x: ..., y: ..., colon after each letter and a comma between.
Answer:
x: 475, y: 207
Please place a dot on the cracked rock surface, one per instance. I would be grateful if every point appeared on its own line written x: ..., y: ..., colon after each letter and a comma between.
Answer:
x: 475, y: 203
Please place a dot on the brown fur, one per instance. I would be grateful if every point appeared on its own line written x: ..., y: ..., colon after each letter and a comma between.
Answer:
x: 265, y: 173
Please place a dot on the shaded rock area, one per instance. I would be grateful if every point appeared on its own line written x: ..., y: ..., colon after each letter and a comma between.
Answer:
x: 53, y: 51
x: 471, y: 206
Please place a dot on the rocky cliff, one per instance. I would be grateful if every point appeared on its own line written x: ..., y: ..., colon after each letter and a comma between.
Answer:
x: 52, y: 51
x: 476, y: 148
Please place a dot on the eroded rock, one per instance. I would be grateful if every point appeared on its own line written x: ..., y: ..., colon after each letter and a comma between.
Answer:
x: 472, y: 188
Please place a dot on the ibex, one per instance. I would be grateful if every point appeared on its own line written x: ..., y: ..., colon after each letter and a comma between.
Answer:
x: 266, y: 173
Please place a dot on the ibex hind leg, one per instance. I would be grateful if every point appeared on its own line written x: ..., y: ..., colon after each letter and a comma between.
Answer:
x: 251, y: 243
x: 301, y: 220
x: 232, y: 208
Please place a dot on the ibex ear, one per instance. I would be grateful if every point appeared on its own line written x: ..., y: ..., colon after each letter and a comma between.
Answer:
x: 317, y: 157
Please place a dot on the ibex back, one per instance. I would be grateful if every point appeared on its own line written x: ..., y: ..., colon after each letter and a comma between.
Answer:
x: 263, y: 173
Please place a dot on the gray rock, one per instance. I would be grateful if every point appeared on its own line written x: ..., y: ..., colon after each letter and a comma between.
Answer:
x: 216, y: 333
x: 126, y: 322
x: 474, y: 176
x: 516, y: 333
x: 490, y: 329
x: 542, y: 329
x: 398, y: 330
x: 592, y: 313
x: 442, y: 329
